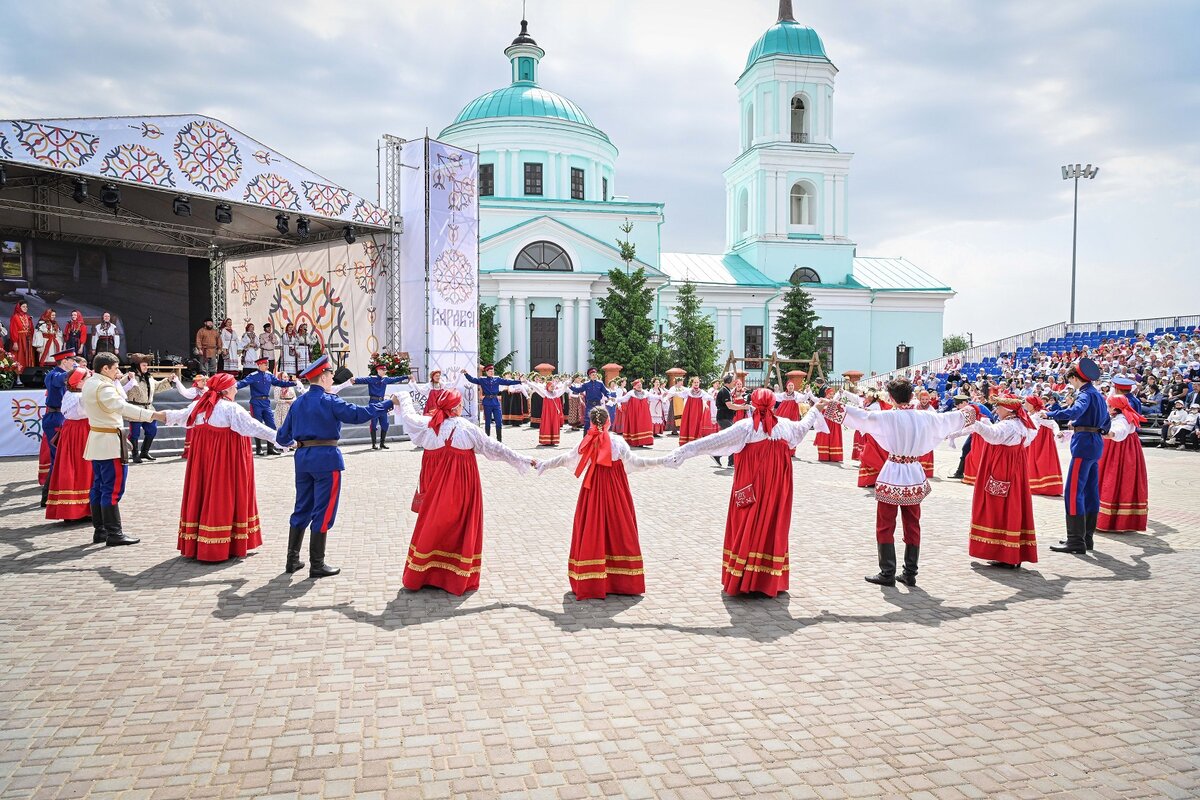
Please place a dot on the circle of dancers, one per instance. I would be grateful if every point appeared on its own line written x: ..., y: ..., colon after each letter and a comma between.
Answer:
x: 1012, y: 455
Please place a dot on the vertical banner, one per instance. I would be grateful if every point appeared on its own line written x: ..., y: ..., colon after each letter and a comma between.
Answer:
x: 440, y: 259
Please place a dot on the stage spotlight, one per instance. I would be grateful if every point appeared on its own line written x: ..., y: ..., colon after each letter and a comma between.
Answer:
x: 302, y: 227
x: 181, y: 206
x: 281, y: 224
x: 348, y: 234
x: 110, y: 195
x: 224, y: 213
x: 81, y: 193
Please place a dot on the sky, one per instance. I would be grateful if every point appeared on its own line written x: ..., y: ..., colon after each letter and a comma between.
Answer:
x: 959, y: 113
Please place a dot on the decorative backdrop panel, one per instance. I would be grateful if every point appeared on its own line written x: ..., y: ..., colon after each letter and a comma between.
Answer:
x: 21, y: 423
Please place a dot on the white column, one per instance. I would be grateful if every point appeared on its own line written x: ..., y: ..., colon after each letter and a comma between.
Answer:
x: 566, y: 345
x: 504, y: 319
x: 583, y: 339
x: 550, y: 186
x: 521, y: 334
x: 737, y: 334
x: 827, y: 207
x: 722, y: 327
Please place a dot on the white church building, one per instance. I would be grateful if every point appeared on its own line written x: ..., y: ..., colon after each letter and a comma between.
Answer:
x: 550, y: 215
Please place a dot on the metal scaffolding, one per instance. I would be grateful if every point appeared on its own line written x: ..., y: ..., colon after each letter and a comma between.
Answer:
x: 389, y: 169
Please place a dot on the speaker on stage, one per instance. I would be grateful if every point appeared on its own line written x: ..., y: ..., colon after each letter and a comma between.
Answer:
x: 33, y: 378
x: 341, y: 375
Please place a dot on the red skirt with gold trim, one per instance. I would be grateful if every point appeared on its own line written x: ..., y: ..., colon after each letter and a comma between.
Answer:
x: 974, y: 458
x: 605, y: 555
x: 71, y: 477
x: 44, y: 461
x: 1124, y: 487
x: 756, y: 532
x: 1045, y: 470
x: 550, y: 426
x: 872, y: 460
x: 447, y: 543
x: 218, y: 518
x: 829, y: 445
x: 695, y: 417
x: 1002, y: 526
x: 639, y: 430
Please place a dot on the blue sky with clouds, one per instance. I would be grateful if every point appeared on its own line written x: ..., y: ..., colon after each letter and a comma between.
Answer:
x: 959, y: 113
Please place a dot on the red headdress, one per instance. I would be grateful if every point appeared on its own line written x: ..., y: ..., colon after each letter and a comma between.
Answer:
x: 447, y: 402
x: 45, y: 317
x: 596, y: 449
x: 76, y: 379
x: 1121, y: 403
x: 762, y: 401
x: 216, y: 385
x: 1036, y: 402
x: 1014, y: 404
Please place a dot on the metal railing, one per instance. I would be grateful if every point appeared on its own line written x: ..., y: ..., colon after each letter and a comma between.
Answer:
x: 800, y: 138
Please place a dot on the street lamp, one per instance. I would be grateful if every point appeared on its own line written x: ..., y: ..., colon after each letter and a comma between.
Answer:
x: 1076, y: 172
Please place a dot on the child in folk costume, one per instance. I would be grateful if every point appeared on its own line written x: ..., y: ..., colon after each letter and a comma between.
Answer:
x: 738, y: 395
x: 925, y: 403
x: 1045, y: 470
x: 829, y: 441
x: 760, y: 503
x: 1002, y: 529
x: 551, y: 421
x: 1124, y: 487
x: 70, y: 479
x: 696, y: 410
x: 872, y: 457
x: 218, y: 517
x: 447, y: 541
x: 902, y: 484
x: 605, y: 555
x: 660, y: 405
x: 199, y: 384
x: 635, y: 408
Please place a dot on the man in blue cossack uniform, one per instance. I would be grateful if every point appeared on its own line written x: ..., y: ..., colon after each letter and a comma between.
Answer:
x: 593, y: 392
x: 376, y: 386
x: 489, y: 386
x: 52, y: 420
x: 1090, y: 420
x: 260, y: 384
x: 314, y: 424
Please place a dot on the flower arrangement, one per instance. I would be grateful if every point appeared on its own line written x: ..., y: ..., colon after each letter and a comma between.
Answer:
x: 396, y: 364
x: 9, y: 368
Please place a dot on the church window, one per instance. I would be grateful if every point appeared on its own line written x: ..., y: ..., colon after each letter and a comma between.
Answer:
x: 744, y: 214
x: 576, y: 183
x: 825, y: 345
x: 753, y: 336
x: 525, y: 69
x: 799, y: 132
x: 543, y: 256
x: 749, y: 127
x: 604, y: 189
x: 804, y: 275
x: 487, y: 180
x: 803, y: 202
x: 533, y: 178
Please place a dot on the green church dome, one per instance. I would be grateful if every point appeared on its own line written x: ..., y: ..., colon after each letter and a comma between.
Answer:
x: 523, y: 100
x: 788, y: 38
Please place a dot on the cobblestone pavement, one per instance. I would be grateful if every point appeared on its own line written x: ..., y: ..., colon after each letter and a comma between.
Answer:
x: 129, y: 672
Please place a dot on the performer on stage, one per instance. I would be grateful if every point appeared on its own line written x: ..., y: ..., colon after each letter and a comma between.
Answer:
x: 638, y: 430
x: 1124, y: 487
x: 376, y: 389
x: 1002, y: 529
x: 47, y: 337
x: 315, y: 425
x: 829, y: 441
x: 760, y: 501
x: 605, y: 555
x: 268, y: 346
x: 305, y: 342
x: 199, y: 384
x: 593, y: 392
x: 70, y: 484
x: 52, y: 419
x: 75, y: 334
x: 105, y: 337
x: 695, y: 409
x: 228, y: 358
x: 104, y: 404
x: 1090, y: 421
x: 218, y: 517
x: 288, y: 351
x: 260, y: 383
x: 447, y: 541
x: 1045, y: 470
x: 902, y: 483
x: 550, y: 423
x: 249, y: 349
x: 140, y: 388
x: 20, y: 330
x: 489, y: 386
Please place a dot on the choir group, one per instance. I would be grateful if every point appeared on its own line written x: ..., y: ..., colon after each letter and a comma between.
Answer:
x: 1012, y: 456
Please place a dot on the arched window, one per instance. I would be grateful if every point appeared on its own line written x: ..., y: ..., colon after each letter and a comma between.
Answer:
x: 749, y: 127
x: 803, y: 204
x: 744, y: 214
x: 543, y: 256
x: 804, y: 275
x: 799, y: 132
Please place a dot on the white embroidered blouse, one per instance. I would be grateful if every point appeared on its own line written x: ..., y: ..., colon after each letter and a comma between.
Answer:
x: 741, y: 433
x: 456, y: 432
x: 225, y: 414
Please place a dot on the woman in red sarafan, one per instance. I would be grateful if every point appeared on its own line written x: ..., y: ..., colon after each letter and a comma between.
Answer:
x: 1002, y: 529
x: 635, y: 405
x: 218, y: 517
x: 1124, y: 488
x: 696, y: 411
x: 759, y: 517
x: 47, y: 338
x: 71, y: 475
x: 829, y: 441
x: 605, y: 555
x: 789, y: 405
x: 447, y: 542
x: 551, y: 419
x: 20, y: 330
x: 199, y: 384
x: 1045, y: 470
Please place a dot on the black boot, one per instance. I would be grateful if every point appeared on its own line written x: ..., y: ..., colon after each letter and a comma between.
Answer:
x: 316, y: 555
x: 258, y: 447
x: 500, y: 432
x: 99, y: 532
x: 911, y: 554
x: 272, y: 450
x: 887, y: 566
x: 146, y: 448
x: 46, y: 492
x: 1075, y: 541
x: 295, y: 539
x: 958, y: 473
x: 1089, y: 529
x: 374, y: 445
x: 383, y: 440
x: 137, y: 452
x: 112, y: 527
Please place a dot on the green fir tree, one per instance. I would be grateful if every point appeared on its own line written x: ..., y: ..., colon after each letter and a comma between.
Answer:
x: 693, y: 338
x: 627, y: 336
x: 796, y: 327
x: 489, y: 340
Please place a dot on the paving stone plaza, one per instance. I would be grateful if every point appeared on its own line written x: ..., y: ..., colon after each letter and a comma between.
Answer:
x: 130, y: 672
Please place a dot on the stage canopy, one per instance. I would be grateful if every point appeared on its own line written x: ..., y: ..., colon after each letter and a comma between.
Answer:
x: 156, y: 164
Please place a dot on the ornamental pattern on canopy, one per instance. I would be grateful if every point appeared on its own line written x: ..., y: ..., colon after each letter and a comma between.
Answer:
x: 193, y: 154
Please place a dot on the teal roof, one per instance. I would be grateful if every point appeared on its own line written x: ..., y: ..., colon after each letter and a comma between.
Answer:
x: 728, y: 269
x: 787, y: 38
x: 524, y: 99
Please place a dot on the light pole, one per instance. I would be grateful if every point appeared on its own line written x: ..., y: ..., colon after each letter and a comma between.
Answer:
x: 1076, y: 172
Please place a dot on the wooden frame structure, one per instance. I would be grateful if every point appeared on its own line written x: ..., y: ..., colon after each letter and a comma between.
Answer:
x: 771, y: 366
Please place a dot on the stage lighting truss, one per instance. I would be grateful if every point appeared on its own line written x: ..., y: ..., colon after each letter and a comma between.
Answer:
x: 223, y: 213
x: 281, y: 223
x: 80, y: 194
x: 181, y: 206
x: 110, y: 195
x: 302, y: 227
x: 3, y: 176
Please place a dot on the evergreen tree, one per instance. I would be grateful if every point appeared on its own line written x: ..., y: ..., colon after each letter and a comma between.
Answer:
x: 693, y: 337
x: 489, y: 339
x: 796, y: 328
x: 627, y: 336
x: 954, y: 343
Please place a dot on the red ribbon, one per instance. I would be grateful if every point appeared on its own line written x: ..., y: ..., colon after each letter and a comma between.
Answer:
x: 216, y: 384
x: 596, y: 449
x: 444, y: 406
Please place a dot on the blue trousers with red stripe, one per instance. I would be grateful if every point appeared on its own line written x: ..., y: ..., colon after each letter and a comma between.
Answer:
x: 1082, y: 488
x: 108, y: 481
x: 317, y: 496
